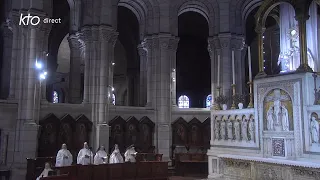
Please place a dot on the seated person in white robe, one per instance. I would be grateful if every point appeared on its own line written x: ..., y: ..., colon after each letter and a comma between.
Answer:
x: 101, y: 156
x: 64, y: 157
x: 45, y: 172
x: 130, y: 154
x: 116, y: 156
x: 85, y: 155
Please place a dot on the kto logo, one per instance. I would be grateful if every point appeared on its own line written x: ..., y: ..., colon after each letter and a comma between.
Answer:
x: 35, y: 20
x: 25, y: 20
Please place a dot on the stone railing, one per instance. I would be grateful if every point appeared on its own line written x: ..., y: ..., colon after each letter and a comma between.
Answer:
x: 235, y: 128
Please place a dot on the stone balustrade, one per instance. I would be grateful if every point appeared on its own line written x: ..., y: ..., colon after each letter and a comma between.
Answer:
x: 235, y: 128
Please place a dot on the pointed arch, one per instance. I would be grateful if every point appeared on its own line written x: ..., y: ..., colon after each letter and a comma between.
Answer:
x: 183, y: 101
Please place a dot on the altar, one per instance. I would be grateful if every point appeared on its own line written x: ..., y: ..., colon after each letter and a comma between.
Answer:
x: 277, y: 136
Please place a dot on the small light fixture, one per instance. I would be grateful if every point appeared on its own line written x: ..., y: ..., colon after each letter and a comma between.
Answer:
x: 293, y: 32
x: 174, y: 70
x: 47, y: 54
x: 113, y: 64
x: 112, y: 89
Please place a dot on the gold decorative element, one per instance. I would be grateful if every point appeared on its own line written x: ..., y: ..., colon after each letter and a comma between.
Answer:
x: 250, y: 105
x: 261, y: 73
x: 304, y: 67
x: 233, y: 106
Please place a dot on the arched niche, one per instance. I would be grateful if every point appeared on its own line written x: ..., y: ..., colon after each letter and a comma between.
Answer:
x: 117, y: 125
x: 83, y: 128
x: 146, y: 131
x: 49, y: 131
x: 132, y: 131
x: 194, y: 133
x: 180, y: 132
x: 66, y: 132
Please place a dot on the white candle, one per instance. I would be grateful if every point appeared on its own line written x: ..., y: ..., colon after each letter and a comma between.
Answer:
x: 233, y: 72
x: 249, y: 64
x: 218, y: 71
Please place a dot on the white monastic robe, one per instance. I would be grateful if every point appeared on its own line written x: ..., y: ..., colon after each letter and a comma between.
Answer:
x: 115, y: 157
x: 101, y: 157
x: 44, y: 173
x: 85, y: 156
x: 129, y: 155
x: 64, y: 158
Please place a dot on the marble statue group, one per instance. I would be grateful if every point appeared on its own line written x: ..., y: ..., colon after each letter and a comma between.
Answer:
x: 87, y: 157
x: 277, y: 115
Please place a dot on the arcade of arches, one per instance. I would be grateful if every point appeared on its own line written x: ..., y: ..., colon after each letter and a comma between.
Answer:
x: 229, y: 73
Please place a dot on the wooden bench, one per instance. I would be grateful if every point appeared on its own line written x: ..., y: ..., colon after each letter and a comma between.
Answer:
x: 151, y: 170
x: 191, y: 163
x: 60, y: 177
x: 148, y: 157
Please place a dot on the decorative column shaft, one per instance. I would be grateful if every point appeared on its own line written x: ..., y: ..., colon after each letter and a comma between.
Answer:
x: 225, y: 66
x: 302, y: 20
x: 75, y: 71
x: 238, y: 43
x: 211, y: 49
x: 143, y: 76
x: 173, y: 58
x: 261, y: 73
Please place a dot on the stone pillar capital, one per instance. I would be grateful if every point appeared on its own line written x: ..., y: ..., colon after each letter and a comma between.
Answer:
x: 213, y: 44
x: 302, y: 17
x: 108, y: 34
x: 260, y: 29
x: 147, y: 43
x: 74, y: 41
x: 173, y: 43
x: 225, y: 40
x: 237, y: 43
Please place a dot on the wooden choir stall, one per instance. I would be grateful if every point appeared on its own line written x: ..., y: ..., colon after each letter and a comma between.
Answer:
x: 190, y: 141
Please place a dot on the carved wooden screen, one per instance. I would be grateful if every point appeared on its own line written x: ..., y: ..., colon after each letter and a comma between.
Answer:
x: 180, y: 132
x: 117, y: 125
x: 206, y: 130
x: 194, y: 133
x: 66, y: 132
x: 83, y: 127
x: 49, y: 131
x: 146, y: 129
x: 132, y: 131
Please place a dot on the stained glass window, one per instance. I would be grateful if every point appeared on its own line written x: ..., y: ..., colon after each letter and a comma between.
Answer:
x: 183, y: 101
x: 113, y: 99
x: 208, y: 101
x: 55, y: 97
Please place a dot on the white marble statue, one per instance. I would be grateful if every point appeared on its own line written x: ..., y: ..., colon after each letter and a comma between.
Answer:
x: 64, y: 157
x: 237, y: 130
x: 284, y: 118
x: 45, y: 172
x: 314, y: 130
x: 223, y: 130
x: 216, y: 130
x: 229, y: 129
x: 270, y: 119
x: 130, y: 154
x: 276, y: 112
x: 85, y: 155
x: 116, y: 156
x: 244, y: 130
x: 251, y: 129
x: 101, y: 156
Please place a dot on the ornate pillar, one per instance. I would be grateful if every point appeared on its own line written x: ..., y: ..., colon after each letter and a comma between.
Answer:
x: 173, y: 56
x: 302, y: 20
x: 86, y: 39
x: 75, y: 71
x: 212, y: 53
x: 143, y: 76
x: 260, y: 31
x: 147, y: 45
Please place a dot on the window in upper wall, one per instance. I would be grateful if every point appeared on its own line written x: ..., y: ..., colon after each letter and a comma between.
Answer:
x: 113, y: 99
x: 209, y: 101
x: 183, y: 101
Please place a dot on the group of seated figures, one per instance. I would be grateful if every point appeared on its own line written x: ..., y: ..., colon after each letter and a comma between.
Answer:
x: 86, y: 156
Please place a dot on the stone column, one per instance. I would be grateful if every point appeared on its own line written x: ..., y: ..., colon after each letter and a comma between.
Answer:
x: 143, y: 76
x: 225, y: 65
x: 162, y: 44
x: 86, y: 39
x: 238, y: 43
x: 212, y: 43
x: 8, y: 65
x: 260, y: 31
x: 173, y: 56
x: 302, y: 20
x: 147, y: 44
x: 75, y: 71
